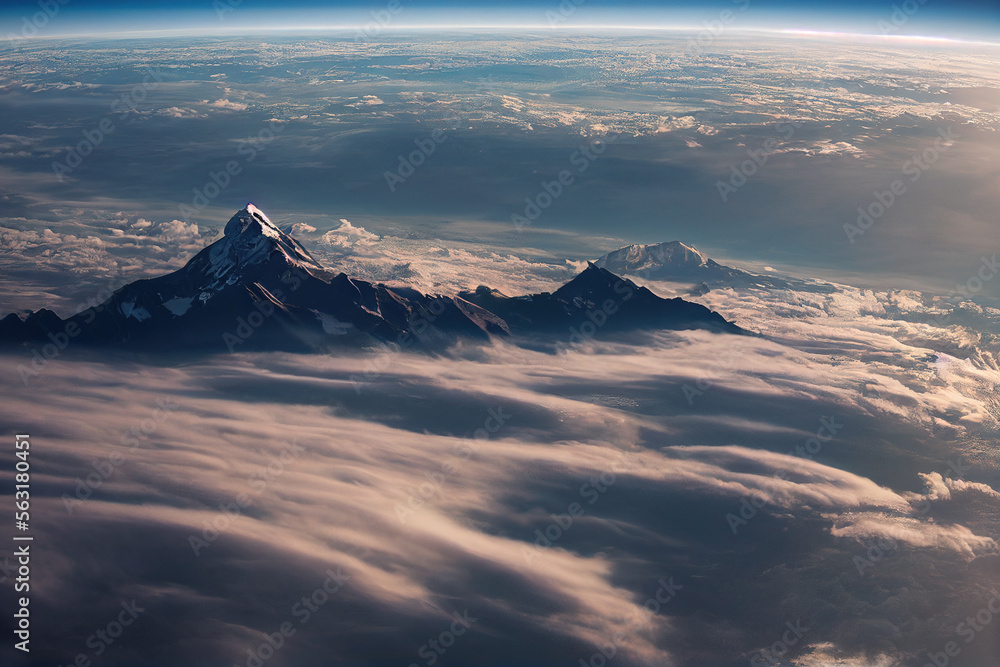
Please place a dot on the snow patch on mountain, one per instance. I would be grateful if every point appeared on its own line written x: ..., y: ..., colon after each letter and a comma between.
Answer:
x: 331, y: 324
x: 677, y: 262
x: 178, y: 305
x: 129, y: 309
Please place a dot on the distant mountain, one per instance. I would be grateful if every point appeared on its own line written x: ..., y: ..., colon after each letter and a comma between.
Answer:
x: 596, y: 300
x: 666, y: 261
x: 257, y: 288
x: 674, y: 261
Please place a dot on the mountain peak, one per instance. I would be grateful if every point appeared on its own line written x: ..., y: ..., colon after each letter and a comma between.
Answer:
x: 671, y: 260
x: 592, y: 281
x: 250, y: 238
x: 251, y: 220
x: 674, y: 252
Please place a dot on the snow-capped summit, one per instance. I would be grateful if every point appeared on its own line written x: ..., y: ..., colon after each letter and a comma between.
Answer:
x: 251, y: 238
x: 670, y: 259
x: 251, y: 219
x: 677, y: 262
x: 254, y: 261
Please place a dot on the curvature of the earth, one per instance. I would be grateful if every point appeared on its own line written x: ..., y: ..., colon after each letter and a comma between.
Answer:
x: 824, y: 495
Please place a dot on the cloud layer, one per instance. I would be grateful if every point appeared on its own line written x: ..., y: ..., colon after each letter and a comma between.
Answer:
x: 551, y: 497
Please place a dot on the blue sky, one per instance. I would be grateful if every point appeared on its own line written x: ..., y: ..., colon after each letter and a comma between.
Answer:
x: 967, y: 19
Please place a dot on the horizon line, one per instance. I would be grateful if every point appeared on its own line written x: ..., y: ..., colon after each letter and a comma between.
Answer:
x: 384, y: 30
